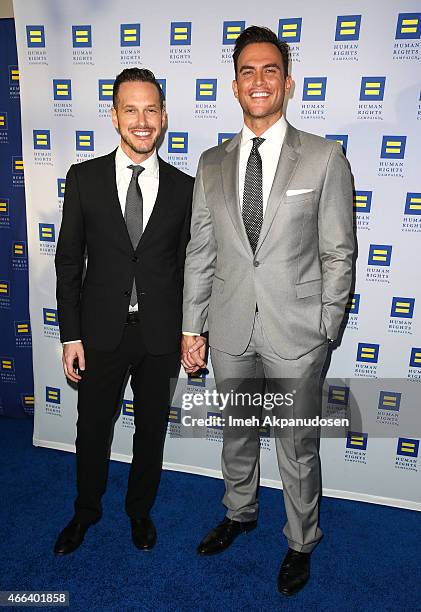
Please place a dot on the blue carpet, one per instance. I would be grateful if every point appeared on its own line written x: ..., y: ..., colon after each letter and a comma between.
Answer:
x: 369, y: 558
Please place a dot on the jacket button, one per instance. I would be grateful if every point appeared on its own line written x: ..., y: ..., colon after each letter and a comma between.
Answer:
x: 256, y: 263
x: 127, y: 293
x: 135, y: 259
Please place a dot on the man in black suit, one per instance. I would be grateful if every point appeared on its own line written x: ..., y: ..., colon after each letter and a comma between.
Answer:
x: 129, y: 212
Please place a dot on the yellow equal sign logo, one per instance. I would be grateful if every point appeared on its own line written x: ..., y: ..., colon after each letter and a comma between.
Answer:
x: 4, y: 288
x: 393, y: 146
x: 3, y: 206
x: 18, y: 248
x: 18, y: 164
x: 233, y: 32
x: 35, y: 36
x: 314, y: 89
x: 348, y: 27
x: 14, y: 74
x: 7, y: 364
x: 29, y: 400
x: 372, y: 88
x: 357, y: 440
x: 82, y: 36
x: 206, y: 89
x: 2, y: 120
x: 62, y: 89
x: 368, y: 352
x: 289, y: 30
x: 129, y: 34
x: 409, y: 26
x: 403, y: 307
x: 338, y: 394
x: 180, y: 33
x: 22, y: 328
x: 379, y: 254
x: 360, y: 201
x: 177, y: 142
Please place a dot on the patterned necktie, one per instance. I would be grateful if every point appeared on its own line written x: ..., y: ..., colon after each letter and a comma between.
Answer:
x: 133, y: 215
x: 253, y: 195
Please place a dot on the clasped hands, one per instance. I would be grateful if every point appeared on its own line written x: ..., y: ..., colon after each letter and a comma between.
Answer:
x: 193, y: 350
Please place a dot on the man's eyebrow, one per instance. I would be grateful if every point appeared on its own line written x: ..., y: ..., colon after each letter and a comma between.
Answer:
x: 247, y: 67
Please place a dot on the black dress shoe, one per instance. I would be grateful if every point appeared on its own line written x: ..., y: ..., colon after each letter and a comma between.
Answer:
x: 294, y: 572
x: 223, y: 536
x: 71, y: 538
x: 143, y: 533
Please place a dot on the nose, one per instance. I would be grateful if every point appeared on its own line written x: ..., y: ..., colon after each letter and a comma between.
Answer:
x: 258, y: 78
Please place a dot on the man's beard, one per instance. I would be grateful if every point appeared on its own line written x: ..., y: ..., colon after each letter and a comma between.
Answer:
x: 144, y: 149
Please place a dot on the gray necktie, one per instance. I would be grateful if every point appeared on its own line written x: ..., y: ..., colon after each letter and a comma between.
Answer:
x: 253, y: 195
x: 133, y: 215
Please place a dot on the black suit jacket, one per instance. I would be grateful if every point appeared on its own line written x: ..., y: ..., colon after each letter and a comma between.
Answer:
x: 93, y: 307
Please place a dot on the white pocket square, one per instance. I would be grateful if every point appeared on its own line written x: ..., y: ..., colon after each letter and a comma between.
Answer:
x: 293, y: 192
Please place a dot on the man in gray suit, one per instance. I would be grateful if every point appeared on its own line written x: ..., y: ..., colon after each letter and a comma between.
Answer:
x: 269, y: 267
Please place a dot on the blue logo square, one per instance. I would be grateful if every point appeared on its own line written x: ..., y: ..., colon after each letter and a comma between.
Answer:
x: 178, y: 142
x: 348, y: 27
x: 393, y: 147
x: 362, y: 201
x: 61, y: 187
x: 35, y: 36
x: 314, y: 88
x: 415, y: 359
x: 105, y: 89
x: 379, y: 254
x: 84, y: 140
x: 82, y: 36
x: 231, y: 30
x: 402, y: 307
x: 289, y: 30
x: 413, y: 203
x: 408, y: 26
x: 368, y: 353
x: 42, y: 140
x: 47, y: 232
x: 130, y: 34
x: 372, y: 88
x: 206, y: 90
x: 356, y: 440
x: 50, y: 316
x: 180, y: 33
x: 389, y: 400
x: 62, y: 89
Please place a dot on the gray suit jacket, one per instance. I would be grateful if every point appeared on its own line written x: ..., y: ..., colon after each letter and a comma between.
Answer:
x: 300, y: 275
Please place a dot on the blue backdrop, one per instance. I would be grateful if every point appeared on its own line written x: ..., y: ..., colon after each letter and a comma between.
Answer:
x: 16, y: 379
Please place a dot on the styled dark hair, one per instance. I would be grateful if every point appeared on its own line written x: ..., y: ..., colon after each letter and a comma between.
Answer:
x: 136, y: 74
x: 260, y: 34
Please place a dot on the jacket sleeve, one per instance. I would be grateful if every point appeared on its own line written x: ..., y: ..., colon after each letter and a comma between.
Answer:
x: 200, y: 261
x: 69, y: 261
x: 336, y: 239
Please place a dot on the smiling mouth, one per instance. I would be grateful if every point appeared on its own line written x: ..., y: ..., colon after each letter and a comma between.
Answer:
x: 260, y: 94
x: 142, y: 133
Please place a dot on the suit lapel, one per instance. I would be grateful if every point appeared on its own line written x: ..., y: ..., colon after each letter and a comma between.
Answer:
x: 113, y: 201
x: 230, y: 171
x: 288, y: 161
x: 165, y: 192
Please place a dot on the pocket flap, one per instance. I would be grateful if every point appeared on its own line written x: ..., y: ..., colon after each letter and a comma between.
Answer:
x: 308, y: 288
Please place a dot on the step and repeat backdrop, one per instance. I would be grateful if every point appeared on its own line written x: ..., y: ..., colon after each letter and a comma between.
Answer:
x: 16, y: 382
x: 356, y: 80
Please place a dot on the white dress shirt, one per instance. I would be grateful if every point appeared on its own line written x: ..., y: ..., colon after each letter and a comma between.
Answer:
x: 148, y: 182
x: 269, y: 150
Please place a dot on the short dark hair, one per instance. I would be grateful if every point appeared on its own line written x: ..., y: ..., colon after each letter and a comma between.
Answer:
x: 136, y: 74
x: 260, y: 34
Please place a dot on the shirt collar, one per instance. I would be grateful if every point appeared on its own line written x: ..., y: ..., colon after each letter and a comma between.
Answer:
x: 151, y: 164
x: 274, y: 134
